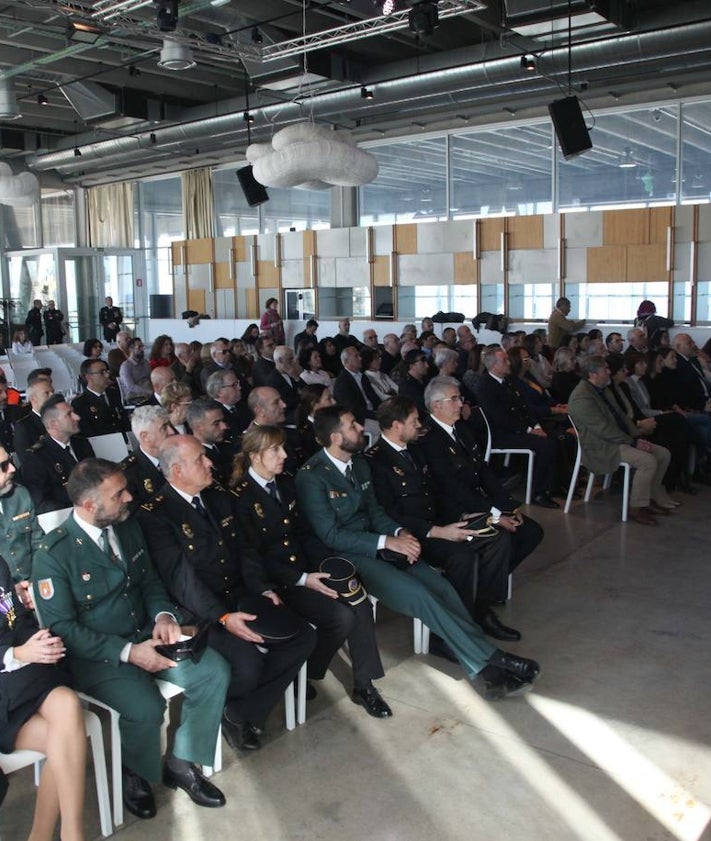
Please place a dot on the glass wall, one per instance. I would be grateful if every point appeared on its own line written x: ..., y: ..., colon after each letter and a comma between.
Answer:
x: 161, y: 222
x: 234, y: 217
x: 58, y: 219
x: 696, y: 152
x: 421, y: 301
x: 615, y: 301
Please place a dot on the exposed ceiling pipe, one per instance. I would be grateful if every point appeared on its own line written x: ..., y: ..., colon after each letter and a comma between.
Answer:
x: 483, y: 79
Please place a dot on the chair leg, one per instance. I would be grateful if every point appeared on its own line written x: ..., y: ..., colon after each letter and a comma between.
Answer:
x: 589, y: 486
x: 425, y: 639
x: 509, y: 585
x: 93, y: 729
x: 529, y: 479
x: 301, y: 684
x: 607, y: 481
x: 625, y: 492
x: 116, y: 778
x: 573, y: 483
x: 417, y: 634
x: 290, y: 707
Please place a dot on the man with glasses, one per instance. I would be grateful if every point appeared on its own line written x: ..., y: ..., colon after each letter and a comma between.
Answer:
x: 98, y: 406
x: 225, y: 388
x: 354, y: 390
x: 264, y: 365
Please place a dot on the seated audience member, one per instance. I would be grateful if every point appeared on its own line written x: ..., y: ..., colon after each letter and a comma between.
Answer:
x: 224, y: 387
x: 307, y: 338
x: 390, y: 354
x: 330, y: 358
x: 279, y: 555
x: 191, y: 530
x: 217, y: 357
x: 119, y: 354
x: 206, y: 418
x: 151, y: 426
x: 7, y: 434
x: 343, y: 338
x: 595, y: 333
x: 99, y: 406
x: 570, y: 340
x: 607, y: 438
x: 249, y: 337
x: 473, y: 373
x: 313, y: 398
x: 565, y: 376
x: 614, y: 343
x: 409, y: 333
x: 29, y: 428
x: 20, y: 343
x: 269, y: 410
x: 241, y: 361
x: 40, y: 712
x: 135, y: 374
x: 264, y: 365
x: 93, y: 348
x: 370, y: 339
x: 637, y: 340
x: 513, y: 425
x: 540, y: 404
x: 509, y: 340
x: 354, y: 390
x: 427, y: 325
x: 186, y: 367
x: 160, y: 377
x: 659, y: 339
x: 413, y: 383
x: 449, y: 336
x: 540, y: 368
x: 427, y: 342
x: 383, y: 385
x: 162, y: 353
x: 446, y: 361
x: 463, y: 483
x: 111, y: 649
x: 582, y: 339
x: 284, y: 378
x: 312, y: 370
x: 336, y: 497
x: 477, y: 567
x: 47, y: 465
x: 177, y: 396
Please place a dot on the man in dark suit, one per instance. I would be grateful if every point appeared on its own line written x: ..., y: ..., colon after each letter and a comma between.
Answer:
x: 151, y: 426
x: 33, y: 322
x: 337, y: 498
x: 353, y: 389
x: 390, y: 355
x: 307, y: 338
x: 207, y: 420
x: 99, y: 407
x: 47, y: 465
x: 477, y: 565
x: 96, y: 587
x: 463, y: 483
x: 413, y: 383
x: 513, y: 425
x: 53, y: 326
x: 263, y: 367
x: 224, y: 387
x: 29, y: 428
x: 110, y: 318
x: 283, y: 380
x: 192, y: 534
x: 269, y: 410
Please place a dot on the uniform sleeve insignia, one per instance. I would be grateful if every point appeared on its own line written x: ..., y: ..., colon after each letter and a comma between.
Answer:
x: 187, y: 531
x: 258, y: 510
x: 224, y: 523
x: 94, y: 410
x: 398, y: 471
x: 46, y: 588
x: 23, y: 516
x: 148, y: 485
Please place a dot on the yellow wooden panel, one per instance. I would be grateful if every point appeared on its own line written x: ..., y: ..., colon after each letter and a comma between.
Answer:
x: 222, y: 276
x: 196, y: 300
x: 309, y: 246
x: 625, y: 227
x: 252, y: 306
x: 647, y: 263
x: 177, y: 249
x: 405, y: 239
x: 466, y: 268
x: 491, y: 230
x: 525, y: 232
x: 381, y: 271
x: 607, y: 264
x: 267, y: 274
x: 201, y: 250
x: 240, y: 248
x: 660, y: 218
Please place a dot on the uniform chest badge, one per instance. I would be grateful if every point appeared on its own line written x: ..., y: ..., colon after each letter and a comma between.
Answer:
x: 46, y: 588
x: 7, y: 607
x: 148, y: 485
x: 187, y: 531
x: 58, y: 467
x: 398, y: 471
x: 94, y: 410
x: 258, y: 510
x: 86, y: 576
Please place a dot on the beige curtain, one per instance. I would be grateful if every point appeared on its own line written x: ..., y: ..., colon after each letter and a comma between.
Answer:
x: 198, y: 206
x: 110, y: 211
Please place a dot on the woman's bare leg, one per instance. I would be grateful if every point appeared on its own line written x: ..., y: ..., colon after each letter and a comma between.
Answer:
x: 57, y: 730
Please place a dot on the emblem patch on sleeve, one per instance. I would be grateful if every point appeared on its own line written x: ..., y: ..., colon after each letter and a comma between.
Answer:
x: 46, y: 588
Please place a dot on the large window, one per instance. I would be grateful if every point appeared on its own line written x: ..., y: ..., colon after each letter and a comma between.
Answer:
x: 160, y: 204
x: 615, y: 301
x: 417, y: 302
x: 58, y: 220
x: 298, y: 210
x: 696, y: 152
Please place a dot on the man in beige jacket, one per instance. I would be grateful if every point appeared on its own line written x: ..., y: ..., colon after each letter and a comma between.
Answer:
x: 559, y: 324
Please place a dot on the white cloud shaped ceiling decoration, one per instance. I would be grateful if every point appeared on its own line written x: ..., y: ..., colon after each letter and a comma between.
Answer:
x: 18, y: 190
x: 311, y: 157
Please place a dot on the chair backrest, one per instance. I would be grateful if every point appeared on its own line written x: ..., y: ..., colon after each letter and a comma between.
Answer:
x: 51, y: 519
x: 487, y: 450
x: 112, y: 446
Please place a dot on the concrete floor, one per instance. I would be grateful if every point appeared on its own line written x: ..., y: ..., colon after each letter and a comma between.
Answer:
x: 613, y: 745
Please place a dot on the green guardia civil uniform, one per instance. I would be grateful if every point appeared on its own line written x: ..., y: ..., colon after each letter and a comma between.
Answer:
x: 98, y: 604
x: 348, y: 518
x: 20, y: 533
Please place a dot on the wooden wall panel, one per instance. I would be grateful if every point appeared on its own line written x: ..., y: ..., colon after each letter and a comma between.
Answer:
x: 525, y: 232
x: 660, y: 218
x: 222, y: 276
x: 201, y: 250
x: 177, y: 251
x: 309, y: 246
x: 466, y: 268
x: 381, y: 271
x: 252, y: 304
x: 607, y: 264
x: 405, y: 239
x: 196, y: 300
x: 267, y: 274
x: 625, y: 227
x: 491, y: 230
x: 241, y: 248
x: 646, y: 263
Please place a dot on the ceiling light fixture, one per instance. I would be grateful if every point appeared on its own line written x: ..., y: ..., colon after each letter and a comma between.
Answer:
x: 423, y: 18
x: 366, y: 93
x: 175, y: 56
x: 167, y: 15
x: 627, y: 160
x: 83, y: 31
x: 388, y: 7
x: 248, y: 118
x: 42, y: 99
x: 77, y: 152
x: 528, y: 64
x: 9, y: 109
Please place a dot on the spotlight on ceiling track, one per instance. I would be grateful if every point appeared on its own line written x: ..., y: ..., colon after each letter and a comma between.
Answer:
x: 42, y: 99
x: 167, y: 15
x: 175, y: 56
x: 83, y: 31
x: 423, y: 18
x: 366, y: 93
x: 77, y: 152
x: 8, y: 103
x: 528, y: 63
x: 257, y: 35
x: 248, y: 118
x: 388, y: 7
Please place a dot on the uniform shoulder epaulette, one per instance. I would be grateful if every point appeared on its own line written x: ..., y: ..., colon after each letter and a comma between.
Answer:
x: 154, y: 503
x: 306, y: 466
x: 239, y: 489
x: 53, y: 538
x: 130, y: 459
x: 39, y: 445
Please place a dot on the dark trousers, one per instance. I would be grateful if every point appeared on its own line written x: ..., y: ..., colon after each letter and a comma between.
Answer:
x: 259, y: 679
x: 524, y: 540
x: 336, y: 621
x: 544, y: 462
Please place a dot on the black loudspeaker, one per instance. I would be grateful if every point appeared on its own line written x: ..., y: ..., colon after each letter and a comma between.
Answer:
x: 254, y: 192
x: 570, y: 127
x: 161, y: 306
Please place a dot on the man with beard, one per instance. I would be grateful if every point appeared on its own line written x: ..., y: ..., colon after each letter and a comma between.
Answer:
x: 135, y: 374
x: 206, y: 418
x: 96, y: 587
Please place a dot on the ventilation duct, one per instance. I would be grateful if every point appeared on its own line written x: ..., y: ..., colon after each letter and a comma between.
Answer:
x: 18, y: 190
x: 99, y: 106
x: 175, y: 56
x: 8, y: 102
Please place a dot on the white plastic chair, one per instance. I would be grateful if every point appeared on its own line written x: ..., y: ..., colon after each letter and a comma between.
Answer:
x: 10, y: 762
x: 51, y: 519
x: 112, y: 446
x: 507, y: 452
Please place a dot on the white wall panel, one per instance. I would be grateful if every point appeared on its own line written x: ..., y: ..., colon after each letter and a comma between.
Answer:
x: 223, y: 248
x: 704, y: 261
x: 551, y: 230
x: 704, y: 223
x: 292, y: 245
x: 352, y: 271
x: 326, y: 270
x: 425, y: 269
x: 576, y: 266
x: 382, y: 240
x: 225, y: 303
x: 357, y: 239
x: 265, y: 246
x: 529, y: 266
x: 583, y: 229
x: 334, y: 242
x: 683, y: 223
x: 245, y: 279
x: 682, y: 261
x: 490, y: 271
x: 292, y: 274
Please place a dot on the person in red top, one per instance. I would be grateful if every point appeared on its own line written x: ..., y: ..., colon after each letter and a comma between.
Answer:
x: 271, y: 322
x: 162, y: 353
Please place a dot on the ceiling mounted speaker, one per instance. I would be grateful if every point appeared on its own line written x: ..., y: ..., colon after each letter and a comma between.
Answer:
x: 175, y: 56
x: 570, y: 128
x: 254, y: 192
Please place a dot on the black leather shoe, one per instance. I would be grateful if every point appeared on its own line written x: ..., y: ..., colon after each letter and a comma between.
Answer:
x: 493, y: 627
x: 506, y: 686
x: 240, y: 735
x: 138, y: 795
x: 439, y: 648
x: 545, y: 500
x: 192, y: 782
x: 372, y: 701
x: 525, y: 670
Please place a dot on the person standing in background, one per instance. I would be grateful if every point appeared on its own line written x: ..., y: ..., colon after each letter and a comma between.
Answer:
x: 271, y: 322
x: 53, y: 326
x: 33, y: 322
x: 110, y: 318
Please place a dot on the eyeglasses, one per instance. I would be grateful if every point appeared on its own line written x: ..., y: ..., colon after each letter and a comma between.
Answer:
x: 455, y: 398
x: 5, y: 465
x: 230, y: 385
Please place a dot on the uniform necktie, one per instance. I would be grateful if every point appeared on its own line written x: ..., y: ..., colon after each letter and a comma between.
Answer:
x: 107, y: 547
x: 406, y: 454
x: 349, y: 474
x: 199, y: 507
x: 272, y: 490
x: 72, y: 453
